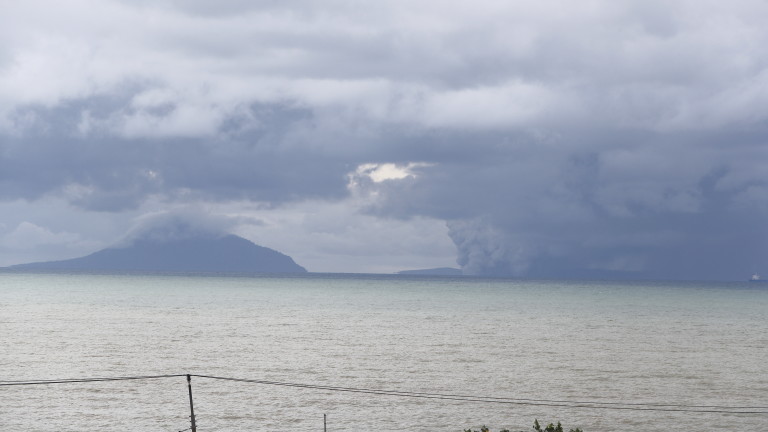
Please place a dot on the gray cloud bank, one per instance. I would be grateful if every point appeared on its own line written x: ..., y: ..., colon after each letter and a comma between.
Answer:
x: 598, y: 139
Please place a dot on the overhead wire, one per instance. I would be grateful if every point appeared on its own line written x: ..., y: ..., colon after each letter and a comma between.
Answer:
x: 85, y: 380
x: 627, y: 406
x: 515, y: 401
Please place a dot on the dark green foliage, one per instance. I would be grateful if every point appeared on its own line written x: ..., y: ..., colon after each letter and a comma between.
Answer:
x: 482, y: 429
x: 551, y: 427
x: 536, y: 426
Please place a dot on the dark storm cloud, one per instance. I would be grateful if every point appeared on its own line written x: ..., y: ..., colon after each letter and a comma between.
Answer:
x: 103, y: 172
x: 654, y: 206
x: 601, y: 139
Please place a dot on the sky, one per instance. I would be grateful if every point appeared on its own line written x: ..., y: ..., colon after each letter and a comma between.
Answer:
x: 534, y: 139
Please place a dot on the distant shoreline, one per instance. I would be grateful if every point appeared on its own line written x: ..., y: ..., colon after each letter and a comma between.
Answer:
x: 371, y: 276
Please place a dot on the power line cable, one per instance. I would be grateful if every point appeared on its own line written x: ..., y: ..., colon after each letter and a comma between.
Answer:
x: 319, y: 386
x: 513, y: 401
x: 85, y: 380
x: 424, y: 395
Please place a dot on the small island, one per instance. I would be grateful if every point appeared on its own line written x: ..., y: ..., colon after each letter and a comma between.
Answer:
x: 440, y: 271
x: 199, y: 254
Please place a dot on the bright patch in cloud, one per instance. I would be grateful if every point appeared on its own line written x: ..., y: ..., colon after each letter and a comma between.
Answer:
x: 388, y: 171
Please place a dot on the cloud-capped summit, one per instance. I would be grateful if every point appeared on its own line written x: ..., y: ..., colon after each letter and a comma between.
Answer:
x: 179, y: 245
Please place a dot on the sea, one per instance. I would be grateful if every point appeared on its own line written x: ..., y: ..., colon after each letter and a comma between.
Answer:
x: 354, y: 352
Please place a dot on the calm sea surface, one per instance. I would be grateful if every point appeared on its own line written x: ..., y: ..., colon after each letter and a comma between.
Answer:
x: 641, y: 342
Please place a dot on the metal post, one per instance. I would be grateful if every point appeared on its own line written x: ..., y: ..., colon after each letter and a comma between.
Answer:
x: 324, y: 424
x: 191, y: 407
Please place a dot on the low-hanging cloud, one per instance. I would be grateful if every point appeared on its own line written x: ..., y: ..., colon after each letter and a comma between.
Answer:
x: 178, y: 224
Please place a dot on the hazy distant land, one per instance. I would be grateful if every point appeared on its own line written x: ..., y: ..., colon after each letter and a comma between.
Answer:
x: 208, y: 254
x: 440, y: 271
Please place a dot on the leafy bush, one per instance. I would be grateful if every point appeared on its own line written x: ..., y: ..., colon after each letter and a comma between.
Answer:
x: 536, y: 426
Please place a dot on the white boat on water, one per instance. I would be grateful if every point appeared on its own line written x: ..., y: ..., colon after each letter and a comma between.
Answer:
x: 756, y: 278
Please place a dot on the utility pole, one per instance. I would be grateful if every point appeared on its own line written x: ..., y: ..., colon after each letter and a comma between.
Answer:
x: 191, y: 407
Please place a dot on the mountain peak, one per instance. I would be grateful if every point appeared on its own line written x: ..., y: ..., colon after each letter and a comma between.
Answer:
x: 206, y: 253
